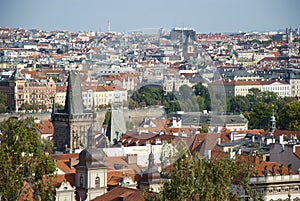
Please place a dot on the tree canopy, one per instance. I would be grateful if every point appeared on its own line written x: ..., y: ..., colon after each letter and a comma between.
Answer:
x: 2, y: 103
x: 193, y: 178
x: 24, y: 167
x: 257, y: 106
x: 290, y: 116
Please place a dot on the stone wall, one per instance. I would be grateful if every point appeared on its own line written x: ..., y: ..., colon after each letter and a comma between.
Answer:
x: 132, y: 117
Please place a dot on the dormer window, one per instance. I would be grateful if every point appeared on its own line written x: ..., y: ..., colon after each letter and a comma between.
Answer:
x: 97, y: 181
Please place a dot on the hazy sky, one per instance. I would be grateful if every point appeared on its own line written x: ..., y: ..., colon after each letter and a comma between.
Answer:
x: 203, y: 15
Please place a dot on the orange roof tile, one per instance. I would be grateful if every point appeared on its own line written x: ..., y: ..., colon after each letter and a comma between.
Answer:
x: 122, y: 193
x: 260, y: 166
x: 45, y: 127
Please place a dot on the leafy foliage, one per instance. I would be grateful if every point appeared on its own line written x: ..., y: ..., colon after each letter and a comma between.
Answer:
x: 193, y: 178
x: 258, y: 107
x: 187, y: 99
x: 290, y: 116
x: 3, y: 99
x: 24, y: 164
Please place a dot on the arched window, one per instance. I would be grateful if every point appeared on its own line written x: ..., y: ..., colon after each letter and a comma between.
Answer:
x: 97, y: 181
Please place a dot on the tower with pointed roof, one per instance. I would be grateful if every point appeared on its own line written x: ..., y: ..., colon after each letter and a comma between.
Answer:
x: 72, y: 123
x: 91, y: 172
x: 151, y: 177
x: 188, y: 47
x: 116, y: 125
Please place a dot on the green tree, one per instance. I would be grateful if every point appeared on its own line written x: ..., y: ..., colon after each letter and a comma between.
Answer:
x: 132, y: 104
x: 201, y: 103
x: 23, y: 161
x: 59, y: 106
x: 202, y: 91
x: 203, y: 129
x: 193, y: 178
x: 260, y: 115
x: 255, y: 95
x: 107, y: 117
x: 26, y: 106
x: 3, y: 100
x: 269, y: 97
x: 289, y: 117
x: 238, y: 104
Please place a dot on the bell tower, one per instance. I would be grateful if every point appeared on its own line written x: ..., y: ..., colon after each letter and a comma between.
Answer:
x: 91, y: 172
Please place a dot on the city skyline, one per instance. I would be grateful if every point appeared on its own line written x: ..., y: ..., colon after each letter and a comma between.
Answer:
x: 204, y: 16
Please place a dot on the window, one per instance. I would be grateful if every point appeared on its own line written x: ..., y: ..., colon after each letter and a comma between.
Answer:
x: 271, y: 190
x: 97, y: 181
x: 81, y: 181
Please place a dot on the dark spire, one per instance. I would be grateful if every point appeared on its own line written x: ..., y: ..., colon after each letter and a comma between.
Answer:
x: 74, y: 103
x: 151, y: 159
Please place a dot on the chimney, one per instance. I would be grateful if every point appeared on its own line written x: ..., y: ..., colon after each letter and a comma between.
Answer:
x: 231, y: 153
x: 253, y: 138
x: 281, y: 139
x: 207, y: 154
x: 73, y: 161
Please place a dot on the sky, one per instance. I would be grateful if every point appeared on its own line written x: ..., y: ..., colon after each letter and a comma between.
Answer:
x: 205, y: 16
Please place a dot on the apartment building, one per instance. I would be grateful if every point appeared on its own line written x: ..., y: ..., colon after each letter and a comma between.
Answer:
x: 241, y: 87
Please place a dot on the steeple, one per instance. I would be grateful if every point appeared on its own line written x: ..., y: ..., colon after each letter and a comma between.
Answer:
x: 91, y: 172
x: 151, y: 176
x: 74, y: 103
x: 273, y: 123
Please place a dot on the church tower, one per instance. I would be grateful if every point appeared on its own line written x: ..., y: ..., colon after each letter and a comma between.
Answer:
x: 91, y: 172
x: 71, y: 124
x: 188, y: 48
x: 151, y: 176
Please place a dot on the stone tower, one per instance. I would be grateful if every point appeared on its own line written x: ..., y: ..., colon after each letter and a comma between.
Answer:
x: 72, y: 123
x: 116, y: 125
x: 91, y: 172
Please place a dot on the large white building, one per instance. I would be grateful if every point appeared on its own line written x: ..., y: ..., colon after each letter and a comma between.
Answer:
x: 241, y: 87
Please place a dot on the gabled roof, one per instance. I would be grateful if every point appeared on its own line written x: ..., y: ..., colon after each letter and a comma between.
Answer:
x: 260, y: 166
x: 122, y: 193
x: 286, y: 133
x: 45, y: 127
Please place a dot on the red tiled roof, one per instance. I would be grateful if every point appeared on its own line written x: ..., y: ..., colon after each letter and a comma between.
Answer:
x: 45, y: 127
x: 286, y: 133
x: 121, y: 193
x: 260, y: 166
